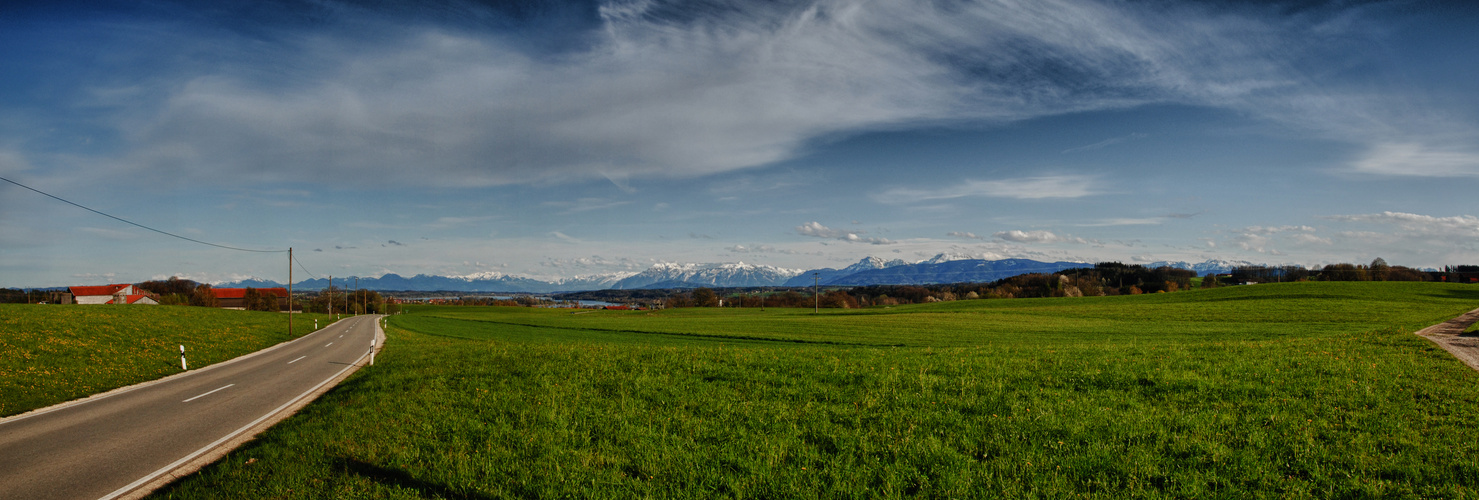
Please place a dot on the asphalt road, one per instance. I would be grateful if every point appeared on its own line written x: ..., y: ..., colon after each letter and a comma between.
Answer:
x: 105, y: 447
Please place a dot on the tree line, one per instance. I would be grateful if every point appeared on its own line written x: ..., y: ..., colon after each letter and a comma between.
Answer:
x: 1377, y: 270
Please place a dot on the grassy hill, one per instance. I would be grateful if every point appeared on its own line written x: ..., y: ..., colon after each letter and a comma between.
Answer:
x: 1291, y: 390
x: 52, y: 353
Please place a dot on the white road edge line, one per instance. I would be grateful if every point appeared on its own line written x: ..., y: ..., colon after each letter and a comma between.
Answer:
x: 166, y: 469
x: 206, y: 394
x: 296, y: 360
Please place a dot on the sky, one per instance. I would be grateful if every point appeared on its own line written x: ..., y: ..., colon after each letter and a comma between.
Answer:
x: 562, y: 139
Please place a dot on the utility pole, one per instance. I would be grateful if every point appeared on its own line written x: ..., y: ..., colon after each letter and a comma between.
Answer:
x: 331, y: 295
x: 290, y: 292
x: 816, y: 300
x: 356, y: 293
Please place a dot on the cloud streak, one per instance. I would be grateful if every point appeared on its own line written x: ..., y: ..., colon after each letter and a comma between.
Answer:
x: 659, y: 89
x: 1027, y: 188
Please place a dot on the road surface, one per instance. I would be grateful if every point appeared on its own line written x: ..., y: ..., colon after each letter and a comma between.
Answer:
x: 109, y: 446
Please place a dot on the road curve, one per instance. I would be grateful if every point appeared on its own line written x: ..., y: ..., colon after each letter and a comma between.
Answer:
x: 110, y: 446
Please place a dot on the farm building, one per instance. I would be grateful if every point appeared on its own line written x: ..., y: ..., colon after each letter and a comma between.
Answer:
x: 111, y: 294
x: 235, y: 298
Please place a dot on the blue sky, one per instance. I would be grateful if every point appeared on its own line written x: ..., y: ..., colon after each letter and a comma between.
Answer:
x: 564, y: 139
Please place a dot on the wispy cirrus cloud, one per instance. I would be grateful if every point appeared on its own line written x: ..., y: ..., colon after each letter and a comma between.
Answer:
x: 1106, y: 143
x: 584, y: 205
x: 1420, y: 160
x: 766, y: 249
x: 1026, y: 188
x: 565, y: 238
x: 1125, y: 221
x: 1457, y: 226
x: 661, y: 88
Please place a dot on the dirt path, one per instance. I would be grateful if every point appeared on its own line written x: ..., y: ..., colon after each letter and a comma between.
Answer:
x: 1448, y: 335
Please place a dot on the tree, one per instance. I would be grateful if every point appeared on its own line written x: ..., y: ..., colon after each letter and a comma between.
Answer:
x: 204, y: 296
x: 1379, y: 269
x: 704, y: 297
x: 250, y: 299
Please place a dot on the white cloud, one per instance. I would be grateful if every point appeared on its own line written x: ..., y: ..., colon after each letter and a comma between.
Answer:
x: 1252, y: 242
x: 816, y: 229
x: 959, y: 234
x: 1418, y: 159
x: 596, y: 262
x: 1458, y: 226
x: 1266, y: 230
x: 1036, y: 237
x: 1310, y: 239
x: 1027, y: 188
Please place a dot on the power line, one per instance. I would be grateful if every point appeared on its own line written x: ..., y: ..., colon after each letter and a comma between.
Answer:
x: 120, y: 219
x: 305, y: 269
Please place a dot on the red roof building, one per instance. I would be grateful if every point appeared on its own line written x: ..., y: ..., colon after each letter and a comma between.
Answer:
x: 110, y: 294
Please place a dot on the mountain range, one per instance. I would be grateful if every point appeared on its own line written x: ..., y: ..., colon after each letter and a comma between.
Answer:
x: 943, y: 268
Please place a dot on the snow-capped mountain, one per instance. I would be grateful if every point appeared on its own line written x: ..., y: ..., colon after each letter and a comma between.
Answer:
x: 827, y: 275
x: 1204, y: 267
x: 717, y: 275
x: 591, y: 281
x: 948, y: 257
x: 942, y: 269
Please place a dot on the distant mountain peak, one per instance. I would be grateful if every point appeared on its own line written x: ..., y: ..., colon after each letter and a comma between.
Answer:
x: 948, y: 257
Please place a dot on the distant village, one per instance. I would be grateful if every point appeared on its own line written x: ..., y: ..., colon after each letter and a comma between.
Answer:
x: 176, y: 291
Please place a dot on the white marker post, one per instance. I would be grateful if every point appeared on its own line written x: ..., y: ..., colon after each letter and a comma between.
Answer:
x: 182, y: 357
x: 372, y: 350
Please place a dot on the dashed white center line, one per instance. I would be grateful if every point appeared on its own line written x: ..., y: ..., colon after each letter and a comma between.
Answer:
x: 328, y: 344
x: 296, y: 360
x: 206, y: 394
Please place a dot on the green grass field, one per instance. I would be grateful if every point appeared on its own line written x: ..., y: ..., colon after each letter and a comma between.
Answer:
x: 52, y: 354
x: 1288, y: 390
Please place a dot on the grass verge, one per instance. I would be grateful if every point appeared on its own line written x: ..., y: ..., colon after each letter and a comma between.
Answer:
x: 52, y: 353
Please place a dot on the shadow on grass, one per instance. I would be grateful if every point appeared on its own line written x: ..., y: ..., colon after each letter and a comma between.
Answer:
x: 1469, y: 294
x: 400, y: 478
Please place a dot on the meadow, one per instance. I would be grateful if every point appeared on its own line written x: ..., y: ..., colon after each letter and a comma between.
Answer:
x: 50, y: 354
x: 1287, y: 390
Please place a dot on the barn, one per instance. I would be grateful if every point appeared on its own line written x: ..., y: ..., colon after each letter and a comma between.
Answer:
x: 111, y: 294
